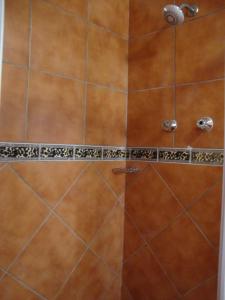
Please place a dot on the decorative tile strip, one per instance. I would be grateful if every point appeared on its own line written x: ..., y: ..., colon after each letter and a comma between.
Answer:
x: 115, y: 153
x: 86, y: 153
x: 207, y: 156
x: 143, y: 154
x: 22, y: 152
x: 56, y: 152
x: 18, y: 152
x: 174, y: 155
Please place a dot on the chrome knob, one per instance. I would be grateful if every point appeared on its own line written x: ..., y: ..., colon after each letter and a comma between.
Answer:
x: 205, y: 123
x: 169, y: 125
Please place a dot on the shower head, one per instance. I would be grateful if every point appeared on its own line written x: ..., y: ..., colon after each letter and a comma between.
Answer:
x: 174, y: 14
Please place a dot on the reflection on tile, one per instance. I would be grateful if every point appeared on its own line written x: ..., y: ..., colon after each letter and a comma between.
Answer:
x: 47, y: 36
x: 112, y: 14
x: 87, y: 204
x: 53, y: 253
x: 55, y: 109
x: 12, y: 113
x: 90, y: 280
x: 147, y: 60
x: 189, y: 259
x: 12, y: 290
x: 16, y: 31
x: 205, y: 34
x: 107, y: 61
x: 106, y: 114
x: 21, y: 212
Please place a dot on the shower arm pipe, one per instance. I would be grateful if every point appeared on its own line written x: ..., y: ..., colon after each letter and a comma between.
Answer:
x: 191, y: 8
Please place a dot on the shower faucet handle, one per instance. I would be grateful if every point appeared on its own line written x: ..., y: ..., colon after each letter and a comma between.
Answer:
x: 169, y: 125
x: 205, y: 123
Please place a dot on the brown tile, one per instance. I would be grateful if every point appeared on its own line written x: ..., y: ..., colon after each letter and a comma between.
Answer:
x: 117, y: 182
x: 82, y: 286
x: 108, y: 244
x: 151, y: 60
x: 12, y: 290
x: 144, y: 278
x: 185, y: 254
x: 146, y: 16
x: 207, y: 212
x: 207, y: 291
x: 125, y: 294
x: 107, y: 61
x: 87, y: 204
x: 16, y: 31
x: 72, y: 6
x: 106, y: 113
x: 204, y: 39
x: 150, y: 204
x: 132, y: 240
x: 53, y: 253
x: 202, y: 100
x: 12, y: 117
x: 49, y: 179
x: 146, y: 112
x: 55, y: 110
x: 207, y: 6
x: 58, y: 41
x: 21, y: 213
x: 189, y: 182
x: 112, y: 14
x: 114, y: 292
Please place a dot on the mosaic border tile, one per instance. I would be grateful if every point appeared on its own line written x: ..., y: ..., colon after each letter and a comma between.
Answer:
x: 62, y: 152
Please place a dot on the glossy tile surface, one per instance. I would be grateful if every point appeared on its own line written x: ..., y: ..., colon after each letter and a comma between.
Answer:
x: 58, y: 101
x: 75, y: 7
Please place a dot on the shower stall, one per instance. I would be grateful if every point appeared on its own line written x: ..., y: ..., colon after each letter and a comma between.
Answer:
x: 112, y: 150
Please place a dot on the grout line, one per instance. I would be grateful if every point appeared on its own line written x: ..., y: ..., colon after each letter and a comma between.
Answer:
x: 200, y: 284
x: 22, y: 283
x: 28, y: 72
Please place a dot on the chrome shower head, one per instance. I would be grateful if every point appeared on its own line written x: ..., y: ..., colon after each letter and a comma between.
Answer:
x: 174, y: 14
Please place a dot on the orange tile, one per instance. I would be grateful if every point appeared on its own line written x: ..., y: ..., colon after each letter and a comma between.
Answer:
x: 146, y: 112
x: 12, y: 290
x: 202, y: 100
x: 150, y: 204
x: 112, y: 14
x: 107, y: 60
x: 206, y: 291
x: 12, y: 114
x: 151, y: 60
x: 49, y: 179
x: 116, y: 181
x: 108, y: 243
x: 87, y: 204
x: 58, y: 41
x: 206, y: 6
x: 145, y: 279
x: 21, y: 213
x: 114, y: 292
x: 125, y: 294
x: 146, y: 16
x: 16, y: 31
x: 185, y: 254
x: 72, y: 6
x: 207, y: 212
x: 132, y: 240
x: 82, y: 286
x: 53, y: 253
x: 189, y: 182
x: 106, y: 113
x: 55, y: 110
x: 200, y: 49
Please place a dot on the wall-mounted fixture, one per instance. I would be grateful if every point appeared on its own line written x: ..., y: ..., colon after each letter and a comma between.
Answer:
x: 205, y: 123
x: 169, y: 125
x: 174, y: 14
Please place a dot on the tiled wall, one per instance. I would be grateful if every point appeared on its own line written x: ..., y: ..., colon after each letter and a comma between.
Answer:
x: 67, y: 64
x: 172, y: 212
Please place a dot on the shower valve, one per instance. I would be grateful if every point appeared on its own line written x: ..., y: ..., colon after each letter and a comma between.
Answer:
x: 169, y: 125
x: 205, y: 123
